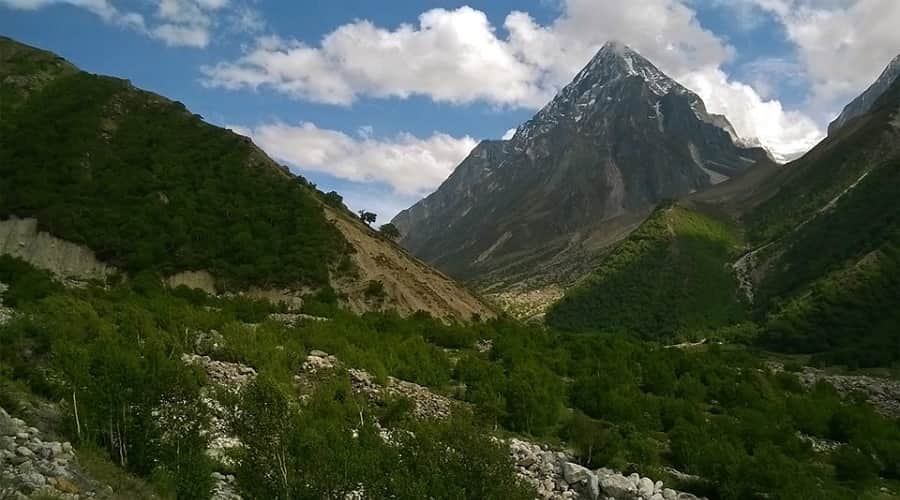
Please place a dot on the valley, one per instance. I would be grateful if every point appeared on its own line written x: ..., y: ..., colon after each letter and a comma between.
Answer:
x: 648, y: 306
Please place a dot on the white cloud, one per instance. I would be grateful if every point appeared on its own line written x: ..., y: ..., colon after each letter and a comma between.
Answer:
x: 842, y: 44
x: 457, y: 56
x: 410, y: 165
x: 179, y: 35
x: 178, y: 23
x: 788, y: 134
x: 101, y: 8
x: 451, y: 56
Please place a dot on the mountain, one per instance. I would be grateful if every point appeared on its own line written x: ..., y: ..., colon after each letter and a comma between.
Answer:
x: 814, y: 256
x: 864, y: 101
x: 98, y: 177
x: 580, y: 174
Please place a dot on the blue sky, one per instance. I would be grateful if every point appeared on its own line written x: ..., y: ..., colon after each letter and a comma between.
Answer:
x: 379, y: 100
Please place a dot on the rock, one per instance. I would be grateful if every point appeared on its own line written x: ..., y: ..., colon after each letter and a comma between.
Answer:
x: 656, y: 496
x: 33, y: 479
x: 645, y: 488
x: 574, y: 473
x: 581, y: 479
x: 527, y: 460
x: 669, y: 494
x: 223, y: 373
x: 7, y: 426
x: 686, y: 496
x: 618, y: 486
x: 318, y: 361
x: 25, y: 452
x: 66, y: 486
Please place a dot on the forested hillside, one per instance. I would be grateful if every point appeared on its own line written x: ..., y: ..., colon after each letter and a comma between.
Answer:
x: 145, y: 186
x: 149, y: 186
x: 666, y: 280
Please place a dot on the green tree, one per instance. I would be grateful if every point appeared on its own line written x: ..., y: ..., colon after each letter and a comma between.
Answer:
x: 367, y: 217
x: 389, y: 231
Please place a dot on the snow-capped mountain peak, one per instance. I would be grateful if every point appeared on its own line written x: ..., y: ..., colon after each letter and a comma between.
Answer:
x: 616, y: 80
x: 618, y: 60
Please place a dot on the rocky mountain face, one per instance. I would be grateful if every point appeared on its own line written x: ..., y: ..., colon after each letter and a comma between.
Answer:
x: 579, y: 175
x: 866, y: 100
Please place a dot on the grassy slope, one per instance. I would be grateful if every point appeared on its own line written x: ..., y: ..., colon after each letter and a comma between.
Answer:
x: 149, y: 186
x: 668, y: 278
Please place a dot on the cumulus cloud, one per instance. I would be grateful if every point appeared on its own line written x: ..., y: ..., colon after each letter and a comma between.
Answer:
x: 409, y: 164
x: 457, y: 56
x: 451, y: 56
x: 788, y: 134
x: 842, y: 45
x: 177, y: 23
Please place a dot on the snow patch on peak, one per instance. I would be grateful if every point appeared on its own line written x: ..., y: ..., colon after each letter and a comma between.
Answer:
x: 629, y: 65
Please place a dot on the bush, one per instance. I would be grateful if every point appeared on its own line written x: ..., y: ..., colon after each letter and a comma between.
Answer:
x: 850, y: 464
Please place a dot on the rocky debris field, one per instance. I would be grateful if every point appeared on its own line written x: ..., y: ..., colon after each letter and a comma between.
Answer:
x: 232, y: 377
x: 223, y: 373
x: 426, y: 404
x: 293, y: 319
x: 556, y: 476
x: 882, y: 393
x: 31, y: 466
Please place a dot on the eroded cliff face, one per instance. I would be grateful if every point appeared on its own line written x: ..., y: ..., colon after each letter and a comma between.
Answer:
x: 409, y: 284
x: 22, y: 238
